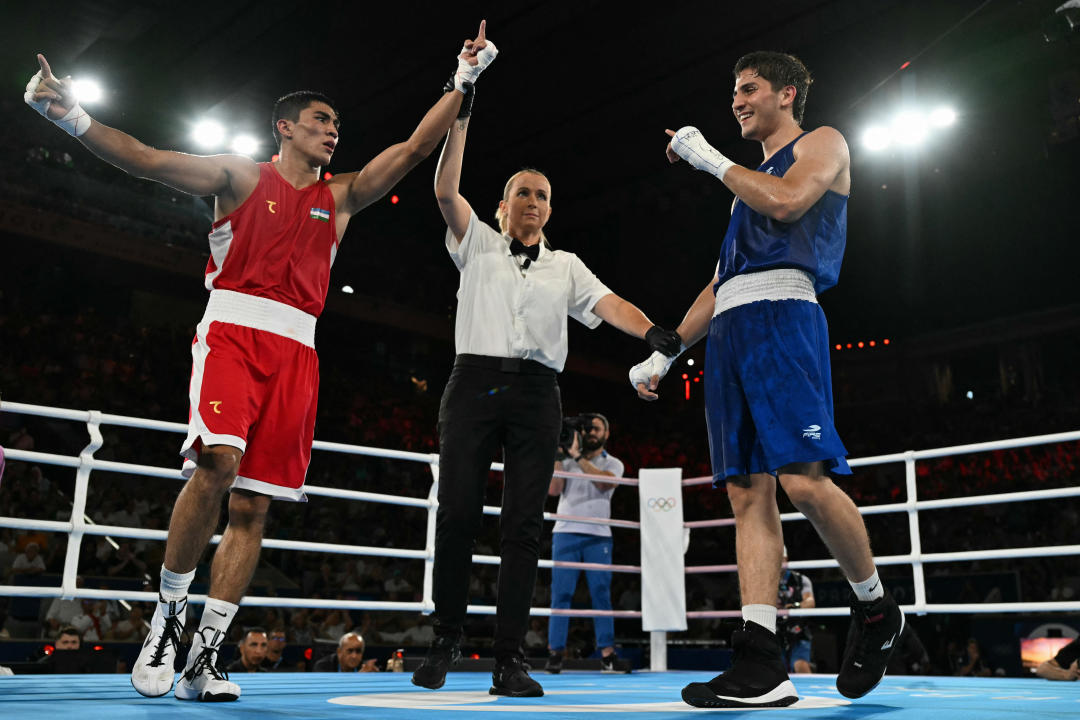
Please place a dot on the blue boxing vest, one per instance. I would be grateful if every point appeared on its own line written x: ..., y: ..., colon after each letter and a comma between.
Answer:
x: 814, y: 243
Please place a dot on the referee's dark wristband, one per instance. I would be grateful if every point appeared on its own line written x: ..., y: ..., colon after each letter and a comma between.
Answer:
x: 467, y: 101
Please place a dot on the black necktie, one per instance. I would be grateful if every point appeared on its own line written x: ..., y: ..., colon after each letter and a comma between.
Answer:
x: 530, y: 251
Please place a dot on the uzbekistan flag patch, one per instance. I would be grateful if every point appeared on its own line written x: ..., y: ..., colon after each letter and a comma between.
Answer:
x: 320, y: 214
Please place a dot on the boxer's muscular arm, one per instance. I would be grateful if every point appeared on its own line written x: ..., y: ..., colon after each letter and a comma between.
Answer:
x: 696, y: 321
x: 230, y: 177
x: 388, y: 167
x: 821, y: 163
x: 645, y: 376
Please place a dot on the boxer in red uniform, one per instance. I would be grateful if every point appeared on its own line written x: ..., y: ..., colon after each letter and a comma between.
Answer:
x: 255, y: 374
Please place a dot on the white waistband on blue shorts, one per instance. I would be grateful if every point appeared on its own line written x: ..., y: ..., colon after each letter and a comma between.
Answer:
x: 262, y: 314
x: 782, y: 284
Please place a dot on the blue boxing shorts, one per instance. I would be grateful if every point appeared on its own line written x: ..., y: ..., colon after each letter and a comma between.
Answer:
x: 768, y: 390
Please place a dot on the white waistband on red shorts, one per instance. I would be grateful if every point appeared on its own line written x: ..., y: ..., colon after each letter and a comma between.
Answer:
x: 782, y: 284
x: 262, y: 314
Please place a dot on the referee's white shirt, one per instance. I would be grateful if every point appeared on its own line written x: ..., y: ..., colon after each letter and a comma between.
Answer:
x: 507, y: 311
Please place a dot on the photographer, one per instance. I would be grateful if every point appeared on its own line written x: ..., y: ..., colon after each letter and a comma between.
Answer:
x: 582, y: 451
x: 796, y: 591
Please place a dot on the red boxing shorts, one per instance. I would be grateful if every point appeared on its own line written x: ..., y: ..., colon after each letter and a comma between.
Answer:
x: 255, y: 386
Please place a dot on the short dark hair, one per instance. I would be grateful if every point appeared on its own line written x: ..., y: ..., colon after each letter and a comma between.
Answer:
x: 255, y: 629
x: 289, y: 107
x: 69, y: 630
x: 607, y: 425
x: 781, y: 70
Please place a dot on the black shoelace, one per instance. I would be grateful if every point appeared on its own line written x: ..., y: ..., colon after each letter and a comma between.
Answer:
x: 170, y: 636
x: 205, y: 661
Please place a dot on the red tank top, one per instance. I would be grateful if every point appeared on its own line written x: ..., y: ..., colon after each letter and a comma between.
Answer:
x: 279, y: 244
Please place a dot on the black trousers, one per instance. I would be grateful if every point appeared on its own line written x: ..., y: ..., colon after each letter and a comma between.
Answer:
x: 491, y: 403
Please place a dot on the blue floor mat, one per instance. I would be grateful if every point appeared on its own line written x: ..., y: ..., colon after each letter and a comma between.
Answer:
x: 366, y: 696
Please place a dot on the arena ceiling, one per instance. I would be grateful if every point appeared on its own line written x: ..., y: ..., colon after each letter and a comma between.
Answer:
x: 972, y: 228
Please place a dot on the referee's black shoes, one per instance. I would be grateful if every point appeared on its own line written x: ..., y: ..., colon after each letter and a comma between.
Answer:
x: 757, y: 676
x: 511, y: 679
x: 445, y: 652
x: 872, y: 638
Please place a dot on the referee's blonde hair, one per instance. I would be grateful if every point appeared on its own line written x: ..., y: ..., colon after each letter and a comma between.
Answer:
x: 500, y: 214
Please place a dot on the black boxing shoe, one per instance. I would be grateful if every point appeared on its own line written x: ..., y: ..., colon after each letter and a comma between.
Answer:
x: 757, y: 676
x: 873, y: 636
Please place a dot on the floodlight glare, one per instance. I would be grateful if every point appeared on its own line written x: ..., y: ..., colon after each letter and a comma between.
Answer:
x: 876, y: 138
x: 208, y: 134
x: 943, y: 117
x: 909, y: 128
x: 347, y: 289
x: 245, y: 145
x: 87, y: 91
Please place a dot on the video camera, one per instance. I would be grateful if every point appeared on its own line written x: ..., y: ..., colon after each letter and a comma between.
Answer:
x: 572, y: 426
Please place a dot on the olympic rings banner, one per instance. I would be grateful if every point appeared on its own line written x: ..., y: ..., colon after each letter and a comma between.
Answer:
x: 662, y: 504
x: 663, y: 577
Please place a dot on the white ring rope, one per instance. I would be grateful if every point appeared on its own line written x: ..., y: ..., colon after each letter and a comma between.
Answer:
x: 86, y: 464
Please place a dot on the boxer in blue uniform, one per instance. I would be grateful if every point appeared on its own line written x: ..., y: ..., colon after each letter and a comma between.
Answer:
x: 768, y: 389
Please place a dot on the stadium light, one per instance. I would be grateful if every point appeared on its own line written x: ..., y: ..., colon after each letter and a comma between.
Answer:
x: 910, y: 128
x: 347, y: 289
x: 208, y: 134
x: 877, y: 138
x: 245, y: 145
x: 943, y: 117
x: 87, y: 91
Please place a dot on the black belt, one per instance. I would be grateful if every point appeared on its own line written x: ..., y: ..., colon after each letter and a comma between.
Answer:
x: 509, y: 365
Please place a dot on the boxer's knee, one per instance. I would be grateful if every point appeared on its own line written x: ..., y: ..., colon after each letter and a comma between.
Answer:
x: 217, y: 466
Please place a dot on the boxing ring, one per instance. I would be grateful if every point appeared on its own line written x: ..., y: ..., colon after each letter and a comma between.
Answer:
x: 569, y: 695
x: 648, y: 696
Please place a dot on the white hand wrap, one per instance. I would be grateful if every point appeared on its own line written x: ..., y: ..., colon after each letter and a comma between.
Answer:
x: 74, y: 123
x: 690, y: 145
x: 467, y: 73
x: 42, y: 106
x: 657, y: 364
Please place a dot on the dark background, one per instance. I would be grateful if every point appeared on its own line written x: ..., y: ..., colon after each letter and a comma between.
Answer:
x: 972, y: 226
x: 962, y: 253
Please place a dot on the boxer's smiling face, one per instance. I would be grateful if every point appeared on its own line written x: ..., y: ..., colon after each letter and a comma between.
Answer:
x: 756, y: 105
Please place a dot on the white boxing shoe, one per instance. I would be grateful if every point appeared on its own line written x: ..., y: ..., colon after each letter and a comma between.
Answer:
x: 202, y: 680
x: 153, y: 672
